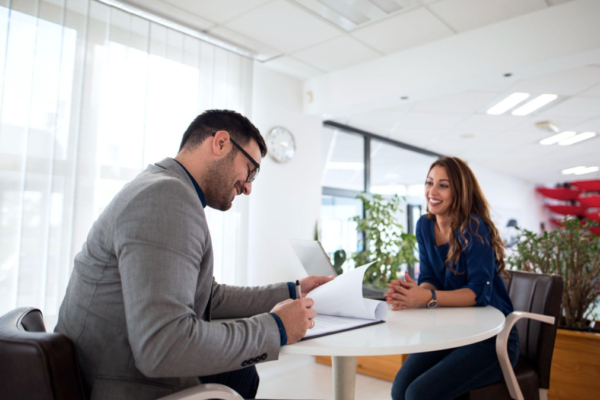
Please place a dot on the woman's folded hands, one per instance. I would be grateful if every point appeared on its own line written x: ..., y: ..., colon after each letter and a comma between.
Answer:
x: 406, y: 294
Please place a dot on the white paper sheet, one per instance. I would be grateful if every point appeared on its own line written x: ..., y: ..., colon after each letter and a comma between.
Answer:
x: 340, y: 304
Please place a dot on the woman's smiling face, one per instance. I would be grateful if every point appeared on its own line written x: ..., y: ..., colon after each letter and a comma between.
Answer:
x: 438, y: 192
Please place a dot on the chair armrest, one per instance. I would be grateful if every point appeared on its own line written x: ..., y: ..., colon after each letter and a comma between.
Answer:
x: 502, y: 349
x: 205, y: 392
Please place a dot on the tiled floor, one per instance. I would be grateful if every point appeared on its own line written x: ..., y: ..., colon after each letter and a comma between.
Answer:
x: 300, y: 377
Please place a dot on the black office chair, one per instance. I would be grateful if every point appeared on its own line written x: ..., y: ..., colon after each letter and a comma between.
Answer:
x: 36, y: 364
x: 536, y: 299
x: 44, y: 366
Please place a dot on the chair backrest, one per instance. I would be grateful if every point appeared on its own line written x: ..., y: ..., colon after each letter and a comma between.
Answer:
x: 35, y: 364
x: 540, y: 294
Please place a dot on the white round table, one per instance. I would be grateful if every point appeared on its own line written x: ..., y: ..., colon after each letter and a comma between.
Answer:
x: 404, y: 332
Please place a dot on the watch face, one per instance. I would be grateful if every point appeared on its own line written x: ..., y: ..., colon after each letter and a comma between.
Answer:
x: 281, y: 144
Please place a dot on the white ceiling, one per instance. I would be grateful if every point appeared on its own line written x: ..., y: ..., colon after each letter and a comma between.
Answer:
x: 289, y: 29
x: 289, y: 36
x: 458, y: 125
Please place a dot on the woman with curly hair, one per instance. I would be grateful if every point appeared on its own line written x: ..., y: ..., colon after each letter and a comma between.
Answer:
x: 461, y: 265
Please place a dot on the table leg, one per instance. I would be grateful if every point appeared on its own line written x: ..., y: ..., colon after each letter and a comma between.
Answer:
x: 344, y: 377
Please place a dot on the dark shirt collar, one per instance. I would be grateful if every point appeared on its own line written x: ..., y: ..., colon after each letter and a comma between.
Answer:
x: 196, y: 186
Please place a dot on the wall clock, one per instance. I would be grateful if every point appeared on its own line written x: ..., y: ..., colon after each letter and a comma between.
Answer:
x: 281, y: 144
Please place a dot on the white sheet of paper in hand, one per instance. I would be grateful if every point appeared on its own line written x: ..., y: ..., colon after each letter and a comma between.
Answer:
x: 343, y: 297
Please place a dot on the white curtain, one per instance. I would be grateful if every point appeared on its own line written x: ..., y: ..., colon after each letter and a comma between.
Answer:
x: 89, y: 96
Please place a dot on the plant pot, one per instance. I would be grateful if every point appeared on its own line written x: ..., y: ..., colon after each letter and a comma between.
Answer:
x: 587, y: 328
x: 575, y: 366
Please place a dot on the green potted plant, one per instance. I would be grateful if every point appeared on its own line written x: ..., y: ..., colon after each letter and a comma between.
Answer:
x: 387, y: 243
x: 571, y: 252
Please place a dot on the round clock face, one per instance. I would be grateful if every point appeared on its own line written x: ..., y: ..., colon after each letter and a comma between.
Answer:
x: 281, y: 144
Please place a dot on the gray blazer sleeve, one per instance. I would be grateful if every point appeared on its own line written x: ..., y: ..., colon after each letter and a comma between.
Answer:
x: 160, y: 242
x: 240, y: 302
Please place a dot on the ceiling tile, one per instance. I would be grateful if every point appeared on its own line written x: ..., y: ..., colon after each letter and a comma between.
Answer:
x: 585, y: 107
x: 417, y: 137
x: 218, y: 11
x: 570, y: 154
x: 465, y: 102
x: 336, y: 54
x: 513, y: 139
x: 422, y: 120
x: 588, y: 126
x: 464, y: 15
x: 262, y: 51
x: 562, y: 123
x: 593, y: 92
x: 452, y: 148
x: 557, y: 2
x: 381, y: 122
x: 406, y: 30
x: 501, y: 87
x: 564, y: 83
x: 283, y: 26
x: 487, y: 122
x: 290, y: 66
x: 172, y: 13
x: 459, y: 141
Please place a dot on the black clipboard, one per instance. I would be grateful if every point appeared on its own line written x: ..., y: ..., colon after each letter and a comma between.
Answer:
x: 343, y: 330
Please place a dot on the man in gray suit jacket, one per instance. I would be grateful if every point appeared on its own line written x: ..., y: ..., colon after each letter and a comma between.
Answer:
x: 142, y: 291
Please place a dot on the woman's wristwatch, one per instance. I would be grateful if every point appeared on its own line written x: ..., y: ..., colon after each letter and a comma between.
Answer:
x: 433, y: 302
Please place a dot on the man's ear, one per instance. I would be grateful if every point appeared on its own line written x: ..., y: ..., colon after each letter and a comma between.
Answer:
x: 221, y: 143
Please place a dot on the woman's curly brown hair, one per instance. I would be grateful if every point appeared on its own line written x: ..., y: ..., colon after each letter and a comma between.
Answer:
x: 468, y: 199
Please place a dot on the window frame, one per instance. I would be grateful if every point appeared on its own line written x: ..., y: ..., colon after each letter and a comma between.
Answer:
x: 367, y: 137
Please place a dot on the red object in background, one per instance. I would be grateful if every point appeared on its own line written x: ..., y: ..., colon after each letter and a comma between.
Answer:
x: 566, y: 210
x: 595, y: 230
x: 594, y: 216
x: 560, y: 194
x: 588, y: 186
x: 559, y: 222
x: 590, y: 201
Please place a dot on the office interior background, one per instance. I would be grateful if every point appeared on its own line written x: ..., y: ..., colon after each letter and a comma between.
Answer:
x: 92, y: 91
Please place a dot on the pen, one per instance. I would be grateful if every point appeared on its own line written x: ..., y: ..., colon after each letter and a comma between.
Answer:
x: 298, y: 290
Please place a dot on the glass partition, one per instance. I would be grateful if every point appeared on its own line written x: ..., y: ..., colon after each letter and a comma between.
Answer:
x: 343, y: 160
x: 338, y: 231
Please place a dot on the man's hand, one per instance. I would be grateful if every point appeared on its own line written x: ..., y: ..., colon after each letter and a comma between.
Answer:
x: 312, y: 282
x: 403, y: 295
x: 296, y: 316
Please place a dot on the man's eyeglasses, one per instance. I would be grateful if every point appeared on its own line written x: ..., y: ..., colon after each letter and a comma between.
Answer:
x: 251, y: 174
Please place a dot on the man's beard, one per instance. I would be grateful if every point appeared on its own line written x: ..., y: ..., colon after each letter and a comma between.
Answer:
x: 220, y: 183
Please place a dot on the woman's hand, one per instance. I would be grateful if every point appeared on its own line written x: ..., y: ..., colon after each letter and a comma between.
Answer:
x: 403, y: 295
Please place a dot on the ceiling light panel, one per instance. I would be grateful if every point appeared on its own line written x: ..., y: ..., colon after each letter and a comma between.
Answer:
x: 578, y: 138
x: 389, y: 6
x: 535, y: 104
x: 573, y: 170
x: 557, y: 138
x: 351, y: 14
x: 587, y: 170
x: 346, y: 11
x: 508, y: 103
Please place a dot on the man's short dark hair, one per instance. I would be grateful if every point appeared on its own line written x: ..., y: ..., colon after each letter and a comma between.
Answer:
x: 239, y: 127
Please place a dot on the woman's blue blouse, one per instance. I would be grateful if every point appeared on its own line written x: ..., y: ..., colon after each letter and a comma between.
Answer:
x: 476, y: 267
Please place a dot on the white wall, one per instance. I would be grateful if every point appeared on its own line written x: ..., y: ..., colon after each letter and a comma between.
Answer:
x: 285, y: 199
x: 511, y: 197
